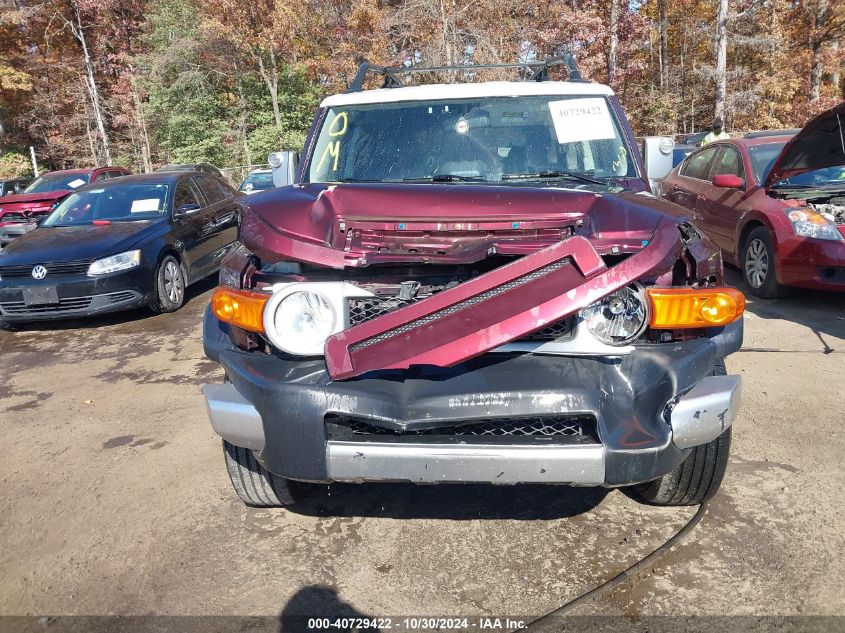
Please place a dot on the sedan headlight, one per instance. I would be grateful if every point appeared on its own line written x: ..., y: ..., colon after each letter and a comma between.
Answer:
x: 618, y: 318
x: 808, y: 223
x: 121, y: 261
x: 299, y: 317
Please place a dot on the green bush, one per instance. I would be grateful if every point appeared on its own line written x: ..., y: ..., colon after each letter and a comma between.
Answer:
x: 14, y: 165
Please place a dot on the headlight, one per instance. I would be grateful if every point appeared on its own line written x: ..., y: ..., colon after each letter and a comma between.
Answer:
x: 619, y: 318
x: 303, y: 320
x: 808, y: 223
x: 275, y: 159
x: 300, y: 316
x: 121, y: 261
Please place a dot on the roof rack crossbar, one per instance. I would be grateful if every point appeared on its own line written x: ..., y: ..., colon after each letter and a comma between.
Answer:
x: 540, y: 71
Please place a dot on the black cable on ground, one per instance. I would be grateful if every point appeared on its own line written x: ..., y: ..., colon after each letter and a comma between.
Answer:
x: 622, y: 577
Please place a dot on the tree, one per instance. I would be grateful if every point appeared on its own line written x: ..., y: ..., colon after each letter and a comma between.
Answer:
x: 69, y: 16
x: 721, y: 58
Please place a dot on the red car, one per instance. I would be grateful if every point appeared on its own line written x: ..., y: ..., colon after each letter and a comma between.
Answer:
x: 775, y: 205
x: 470, y: 283
x: 21, y: 213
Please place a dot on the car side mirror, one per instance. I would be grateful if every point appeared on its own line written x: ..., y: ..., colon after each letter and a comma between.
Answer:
x: 284, y: 166
x: 728, y: 181
x: 185, y: 210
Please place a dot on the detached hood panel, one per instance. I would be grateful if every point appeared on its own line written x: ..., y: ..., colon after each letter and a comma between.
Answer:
x: 494, y: 308
x: 360, y: 225
x: 819, y: 144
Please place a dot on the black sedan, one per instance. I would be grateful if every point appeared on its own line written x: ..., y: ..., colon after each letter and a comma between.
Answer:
x: 128, y: 242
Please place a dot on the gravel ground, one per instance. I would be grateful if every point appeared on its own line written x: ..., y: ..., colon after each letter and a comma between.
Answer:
x: 115, y: 499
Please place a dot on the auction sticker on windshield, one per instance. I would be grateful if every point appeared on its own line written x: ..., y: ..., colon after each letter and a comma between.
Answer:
x: 581, y: 120
x: 145, y: 206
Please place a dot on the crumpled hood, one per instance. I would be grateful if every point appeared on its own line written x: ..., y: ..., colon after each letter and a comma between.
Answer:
x: 31, y: 199
x: 361, y: 224
x: 819, y: 144
x: 71, y: 243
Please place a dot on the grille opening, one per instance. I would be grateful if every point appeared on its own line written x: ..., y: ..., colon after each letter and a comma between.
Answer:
x: 363, y: 309
x: 565, y: 428
x: 53, y: 269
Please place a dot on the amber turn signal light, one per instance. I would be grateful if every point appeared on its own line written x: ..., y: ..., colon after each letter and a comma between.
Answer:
x: 241, y: 308
x: 676, y: 308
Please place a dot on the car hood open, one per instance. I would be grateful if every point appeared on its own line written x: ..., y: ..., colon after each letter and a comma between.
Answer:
x: 819, y: 144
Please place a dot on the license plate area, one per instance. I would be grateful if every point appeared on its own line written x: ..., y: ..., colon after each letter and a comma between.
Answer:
x: 40, y: 296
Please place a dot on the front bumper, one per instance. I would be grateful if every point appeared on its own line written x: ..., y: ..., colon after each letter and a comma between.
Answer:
x: 79, y: 295
x: 811, y: 263
x: 12, y: 230
x: 650, y: 407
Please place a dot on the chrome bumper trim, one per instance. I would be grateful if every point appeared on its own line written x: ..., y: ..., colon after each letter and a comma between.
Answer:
x: 444, y: 463
x: 705, y: 411
x: 232, y: 417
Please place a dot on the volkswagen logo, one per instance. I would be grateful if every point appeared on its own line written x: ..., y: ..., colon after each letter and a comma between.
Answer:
x: 39, y: 272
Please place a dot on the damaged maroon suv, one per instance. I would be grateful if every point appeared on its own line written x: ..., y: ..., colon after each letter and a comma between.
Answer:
x: 471, y: 283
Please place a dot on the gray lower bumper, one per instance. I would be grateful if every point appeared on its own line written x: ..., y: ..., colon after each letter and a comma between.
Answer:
x: 439, y: 463
x: 705, y: 411
x: 698, y: 417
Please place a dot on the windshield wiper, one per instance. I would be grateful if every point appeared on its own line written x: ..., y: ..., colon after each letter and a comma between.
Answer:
x: 446, y: 178
x: 356, y: 180
x: 554, y: 173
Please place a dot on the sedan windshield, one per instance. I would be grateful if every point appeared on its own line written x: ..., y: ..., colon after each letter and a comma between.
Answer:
x: 486, y: 139
x: 763, y: 158
x: 57, y: 182
x: 118, y: 203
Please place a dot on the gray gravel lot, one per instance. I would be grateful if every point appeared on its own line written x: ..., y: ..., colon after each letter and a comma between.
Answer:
x: 115, y: 499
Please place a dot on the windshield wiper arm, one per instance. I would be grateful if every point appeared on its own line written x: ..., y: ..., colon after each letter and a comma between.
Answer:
x: 553, y: 173
x: 446, y: 178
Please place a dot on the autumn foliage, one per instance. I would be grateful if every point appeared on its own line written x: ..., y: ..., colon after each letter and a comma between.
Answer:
x: 145, y: 82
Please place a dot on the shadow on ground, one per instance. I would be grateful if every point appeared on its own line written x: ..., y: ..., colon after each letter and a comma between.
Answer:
x: 317, y: 601
x: 822, y: 312
x: 456, y: 502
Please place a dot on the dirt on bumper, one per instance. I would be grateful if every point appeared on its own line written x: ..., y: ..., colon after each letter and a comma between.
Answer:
x: 626, y: 396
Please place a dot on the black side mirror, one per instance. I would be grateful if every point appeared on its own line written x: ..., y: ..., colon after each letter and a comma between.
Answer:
x: 186, y: 209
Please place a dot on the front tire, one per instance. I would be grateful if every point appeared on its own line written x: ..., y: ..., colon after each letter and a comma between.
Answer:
x: 695, y: 479
x: 257, y: 486
x: 758, y: 265
x: 170, y: 284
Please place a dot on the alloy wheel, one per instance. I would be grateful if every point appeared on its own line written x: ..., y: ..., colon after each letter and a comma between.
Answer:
x: 756, y: 263
x: 174, y: 285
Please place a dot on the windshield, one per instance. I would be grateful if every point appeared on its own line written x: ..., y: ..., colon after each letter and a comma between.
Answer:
x: 488, y: 139
x: 57, y: 182
x: 825, y: 177
x: 124, y: 203
x: 262, y: 180
x: 763, y: 158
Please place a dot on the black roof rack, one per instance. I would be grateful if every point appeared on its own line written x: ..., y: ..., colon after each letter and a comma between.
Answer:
x: 539, y: 71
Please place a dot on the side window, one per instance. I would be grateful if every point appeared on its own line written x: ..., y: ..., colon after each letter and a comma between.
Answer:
x: 695, y: 166
x: 186, y: 193
x: 211, y: 189
x: 728, y: 162
x: 116, y: 174
x: 103, y: 175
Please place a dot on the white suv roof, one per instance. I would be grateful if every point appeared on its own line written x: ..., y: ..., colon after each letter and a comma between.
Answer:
x: 436, y: 92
